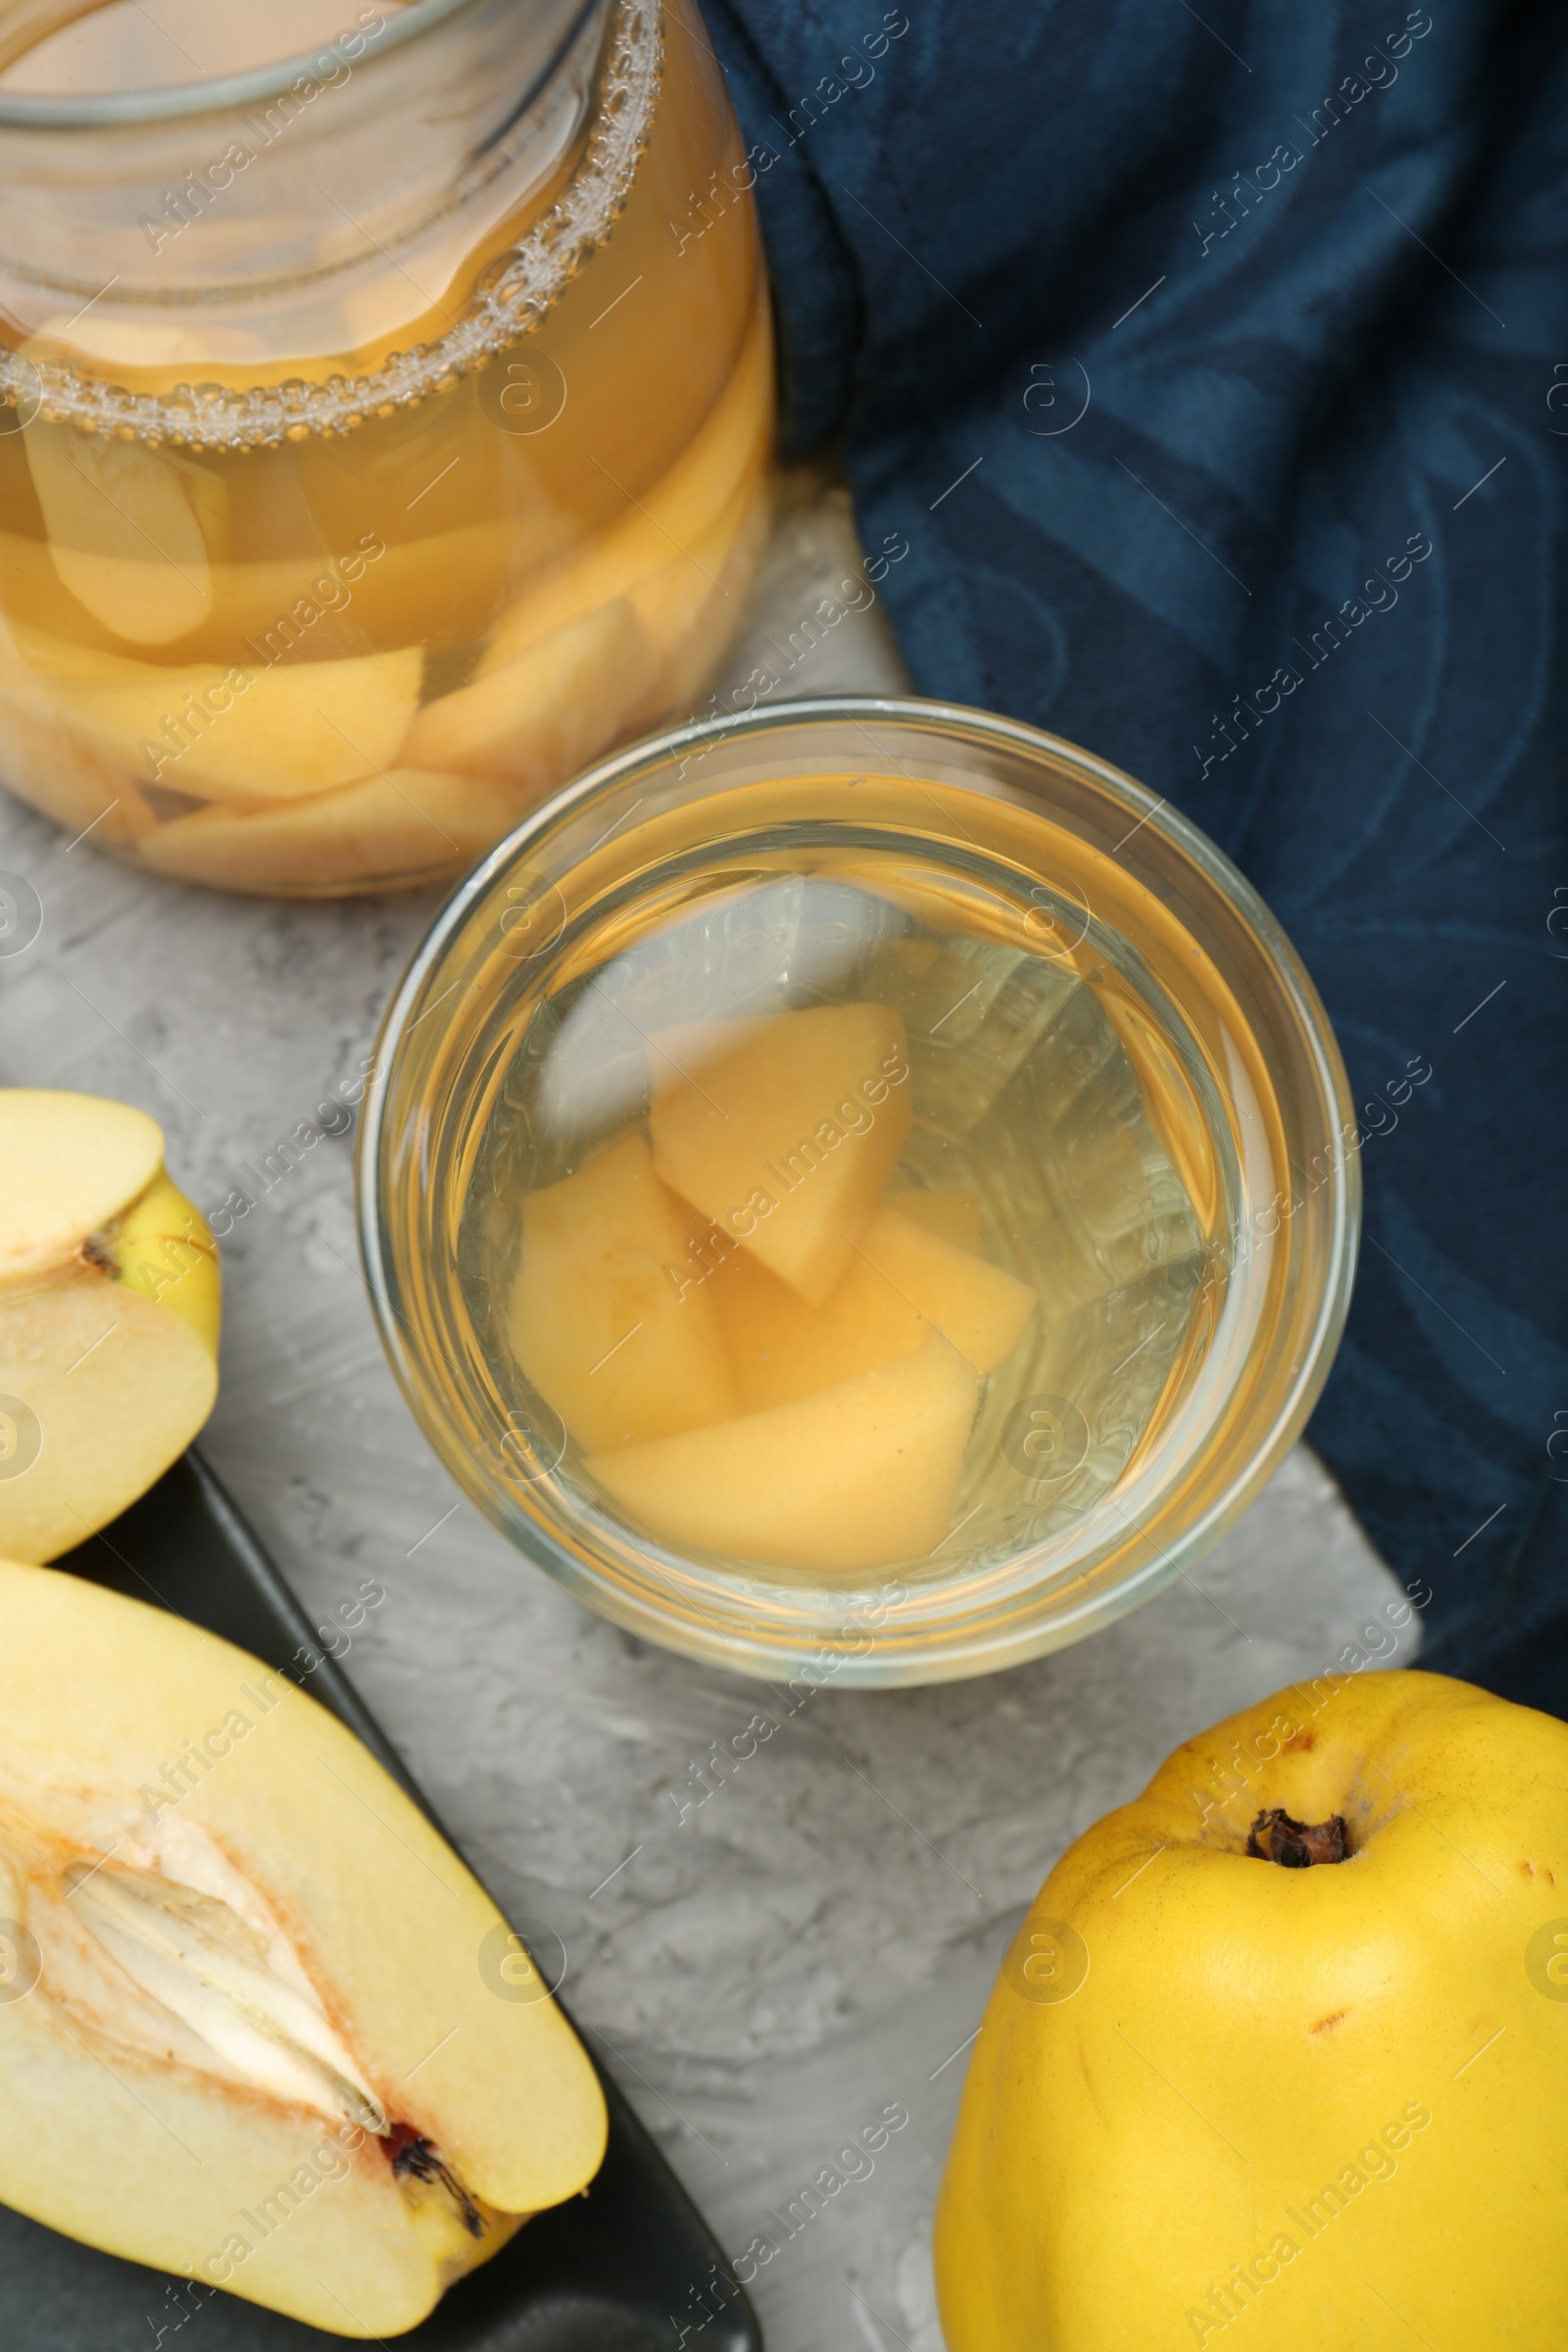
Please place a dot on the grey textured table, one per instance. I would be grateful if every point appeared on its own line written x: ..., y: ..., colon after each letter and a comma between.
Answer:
x: 772, y: 1970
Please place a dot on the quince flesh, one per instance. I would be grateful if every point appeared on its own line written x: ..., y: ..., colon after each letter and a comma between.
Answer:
x: 596, y: 1322
x: 901, y: 1282
x: 133, y: 532
x: 544, y: 713
x: 855, y: 1477
x: 259, y: 2024
x: 669, y: 534
x: 49, y: 770
x: 689, y: 606
x: 783, y: 1130
x: 108, y: 1314
x: 296, y: 728
x: 1316, y: 2106
x: 409, y: 821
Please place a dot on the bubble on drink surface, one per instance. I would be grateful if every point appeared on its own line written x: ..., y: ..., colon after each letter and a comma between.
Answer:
x: 509, y: 1970
x: 533, y: 917
x: 24, y: 395
x: 1045, y: 1438
x: 523, y: 391
x: 1547, y: 1960
x: 20, y: 914
x: 1048, y: 1962
x: 21, y: 1438
x: 20, y: 1961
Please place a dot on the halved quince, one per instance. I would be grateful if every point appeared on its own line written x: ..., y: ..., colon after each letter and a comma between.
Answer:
x: 260, y: 2026
x: 605, y: 1317
x: 783, y: 1130
x: 855, y: 1477
x: 109, y: 1312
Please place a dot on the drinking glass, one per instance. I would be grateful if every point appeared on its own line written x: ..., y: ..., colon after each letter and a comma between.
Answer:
x: 1115, y: 1168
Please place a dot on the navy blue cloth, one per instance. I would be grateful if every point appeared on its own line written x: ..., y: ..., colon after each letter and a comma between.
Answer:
x: 1169, y: 338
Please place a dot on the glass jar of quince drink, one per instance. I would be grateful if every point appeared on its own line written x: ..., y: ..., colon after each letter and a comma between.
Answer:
x: 386, y: 425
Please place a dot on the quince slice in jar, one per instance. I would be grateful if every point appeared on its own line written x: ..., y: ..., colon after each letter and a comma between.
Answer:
x: 46, y: 766
x: 690, y: 606
x: 407, y: 823
x: 246, y: 733
x: 544, y: 713
x: 133, y: 532
x: 653, y: 537
x: 783, y: 1130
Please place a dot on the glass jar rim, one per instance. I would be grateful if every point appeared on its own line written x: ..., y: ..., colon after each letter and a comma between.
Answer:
x: 507, y: 305
x: 1156, y: 813
x: 231, y: 93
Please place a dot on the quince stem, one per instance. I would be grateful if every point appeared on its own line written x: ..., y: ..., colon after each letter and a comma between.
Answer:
x: 1275, y: 1836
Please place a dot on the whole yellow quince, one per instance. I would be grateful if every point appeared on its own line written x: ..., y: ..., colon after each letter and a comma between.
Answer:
x: 1279, y: 2055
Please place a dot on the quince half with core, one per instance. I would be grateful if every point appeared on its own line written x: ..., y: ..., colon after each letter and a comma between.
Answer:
x: 1279, y: 2055
x: 108, y: 1314
x: 259, y: 2026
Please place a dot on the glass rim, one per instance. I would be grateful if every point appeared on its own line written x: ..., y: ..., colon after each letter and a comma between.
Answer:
x: 1158, y: 815
x: 232, y: 93
x: 975, y: 1649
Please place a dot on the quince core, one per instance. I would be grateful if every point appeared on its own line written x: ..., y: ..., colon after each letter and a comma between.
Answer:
x: 259, y: 2030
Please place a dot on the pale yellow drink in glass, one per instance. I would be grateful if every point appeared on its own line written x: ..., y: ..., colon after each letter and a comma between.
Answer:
x: 847, y: 1218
